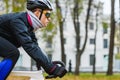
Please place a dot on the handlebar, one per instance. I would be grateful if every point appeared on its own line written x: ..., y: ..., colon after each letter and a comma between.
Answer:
x: 58, y: 63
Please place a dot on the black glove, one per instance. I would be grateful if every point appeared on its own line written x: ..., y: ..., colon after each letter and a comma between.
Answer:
x: 59, y: 71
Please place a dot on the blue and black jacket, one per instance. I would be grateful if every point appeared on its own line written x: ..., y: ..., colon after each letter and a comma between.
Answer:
x: 15, y: 28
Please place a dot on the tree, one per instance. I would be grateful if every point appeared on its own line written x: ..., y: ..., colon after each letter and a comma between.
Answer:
x: 111, y: 47
x: 76, y: 12
x: 117, y: 35
x: 15, y: 6
x: 7, y: 5
x: 61, y: 21
x: 18, y: 5
x: 95, y: 36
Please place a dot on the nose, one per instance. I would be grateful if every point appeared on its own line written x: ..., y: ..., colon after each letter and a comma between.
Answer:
x: 49, y: 19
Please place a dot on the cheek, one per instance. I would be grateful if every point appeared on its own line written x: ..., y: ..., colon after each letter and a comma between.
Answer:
x: 42, y: 20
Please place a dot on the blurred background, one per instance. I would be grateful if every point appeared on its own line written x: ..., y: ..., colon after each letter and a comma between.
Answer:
x: 84, y: 34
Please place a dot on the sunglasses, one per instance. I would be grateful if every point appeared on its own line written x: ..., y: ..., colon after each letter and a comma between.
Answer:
x: 47, y: 14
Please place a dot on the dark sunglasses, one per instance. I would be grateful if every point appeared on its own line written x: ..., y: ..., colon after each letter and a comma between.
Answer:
x: 47, y: 14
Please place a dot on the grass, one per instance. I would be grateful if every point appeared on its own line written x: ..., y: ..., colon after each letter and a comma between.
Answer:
x: 18, y: 78
x: 89, y: 76
x: 82, y: 76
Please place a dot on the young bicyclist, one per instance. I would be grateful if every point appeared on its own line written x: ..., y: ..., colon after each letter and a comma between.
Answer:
x: 17, y: 29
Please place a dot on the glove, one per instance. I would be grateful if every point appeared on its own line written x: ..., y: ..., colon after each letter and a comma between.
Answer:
x: 59, y: 71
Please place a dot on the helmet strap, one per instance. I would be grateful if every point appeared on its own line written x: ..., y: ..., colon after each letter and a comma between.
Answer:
x: 41, y: 14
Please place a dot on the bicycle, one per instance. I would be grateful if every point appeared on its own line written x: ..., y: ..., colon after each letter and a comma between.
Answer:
x: 36, y: 75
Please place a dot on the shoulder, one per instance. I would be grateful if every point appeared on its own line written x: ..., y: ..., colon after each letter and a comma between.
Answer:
x: 19, y: 18
x: 13, y: 16
x: 19, y: 15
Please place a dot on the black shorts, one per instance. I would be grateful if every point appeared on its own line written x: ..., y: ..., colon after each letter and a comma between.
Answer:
x: 10, y: 56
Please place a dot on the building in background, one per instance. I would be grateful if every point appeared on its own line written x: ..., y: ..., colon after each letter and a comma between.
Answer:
x: 102, y: 42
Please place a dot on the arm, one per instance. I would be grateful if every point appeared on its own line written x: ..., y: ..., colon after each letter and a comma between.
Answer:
x: 22, y: 34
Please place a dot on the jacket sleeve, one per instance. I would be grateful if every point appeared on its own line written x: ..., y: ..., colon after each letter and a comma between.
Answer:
x: 22, y: 34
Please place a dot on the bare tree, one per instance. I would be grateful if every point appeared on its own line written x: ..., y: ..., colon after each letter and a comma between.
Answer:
x: 76, y: 13
x: 111, y: 47
x: 17, y: 5
x: 94, y: 63
x: 61, y: 21
x: 95, y: 36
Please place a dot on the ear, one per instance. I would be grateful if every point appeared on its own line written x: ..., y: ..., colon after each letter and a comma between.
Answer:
x: 37, y: 12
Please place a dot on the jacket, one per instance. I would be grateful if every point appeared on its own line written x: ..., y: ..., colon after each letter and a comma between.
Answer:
x: 16, y: 29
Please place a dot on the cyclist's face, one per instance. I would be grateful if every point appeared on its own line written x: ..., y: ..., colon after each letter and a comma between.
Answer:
x: 45, y: 18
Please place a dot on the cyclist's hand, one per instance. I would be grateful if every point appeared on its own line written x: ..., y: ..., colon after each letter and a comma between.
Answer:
x: 59, y: 71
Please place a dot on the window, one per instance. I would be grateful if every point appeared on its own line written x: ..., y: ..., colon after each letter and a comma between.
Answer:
x: 48, y: 45
x: 91, y: 59
x: 105, y: 43
x: 118, y: 36
x: 105, y: 31
x: 92, y: 41
x: 118, y: 50
x: 105, y: 62
x: 91, y: 12
x: 65, y: 28
x: 91, y: 25
x: 106, y: 56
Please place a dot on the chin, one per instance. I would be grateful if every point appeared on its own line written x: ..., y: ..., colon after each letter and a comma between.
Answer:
x: 45, y: 26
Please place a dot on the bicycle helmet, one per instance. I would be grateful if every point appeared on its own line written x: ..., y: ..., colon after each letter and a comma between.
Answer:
x: 42, y: 4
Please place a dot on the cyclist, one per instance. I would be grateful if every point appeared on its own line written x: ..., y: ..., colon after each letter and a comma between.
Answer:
x: 17, y: 29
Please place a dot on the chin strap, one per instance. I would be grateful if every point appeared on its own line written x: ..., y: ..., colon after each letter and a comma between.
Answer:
x: 36, y: 22
x: 41, y: 14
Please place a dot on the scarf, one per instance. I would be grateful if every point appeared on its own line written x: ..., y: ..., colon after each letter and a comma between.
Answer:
x: 36, y: 23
